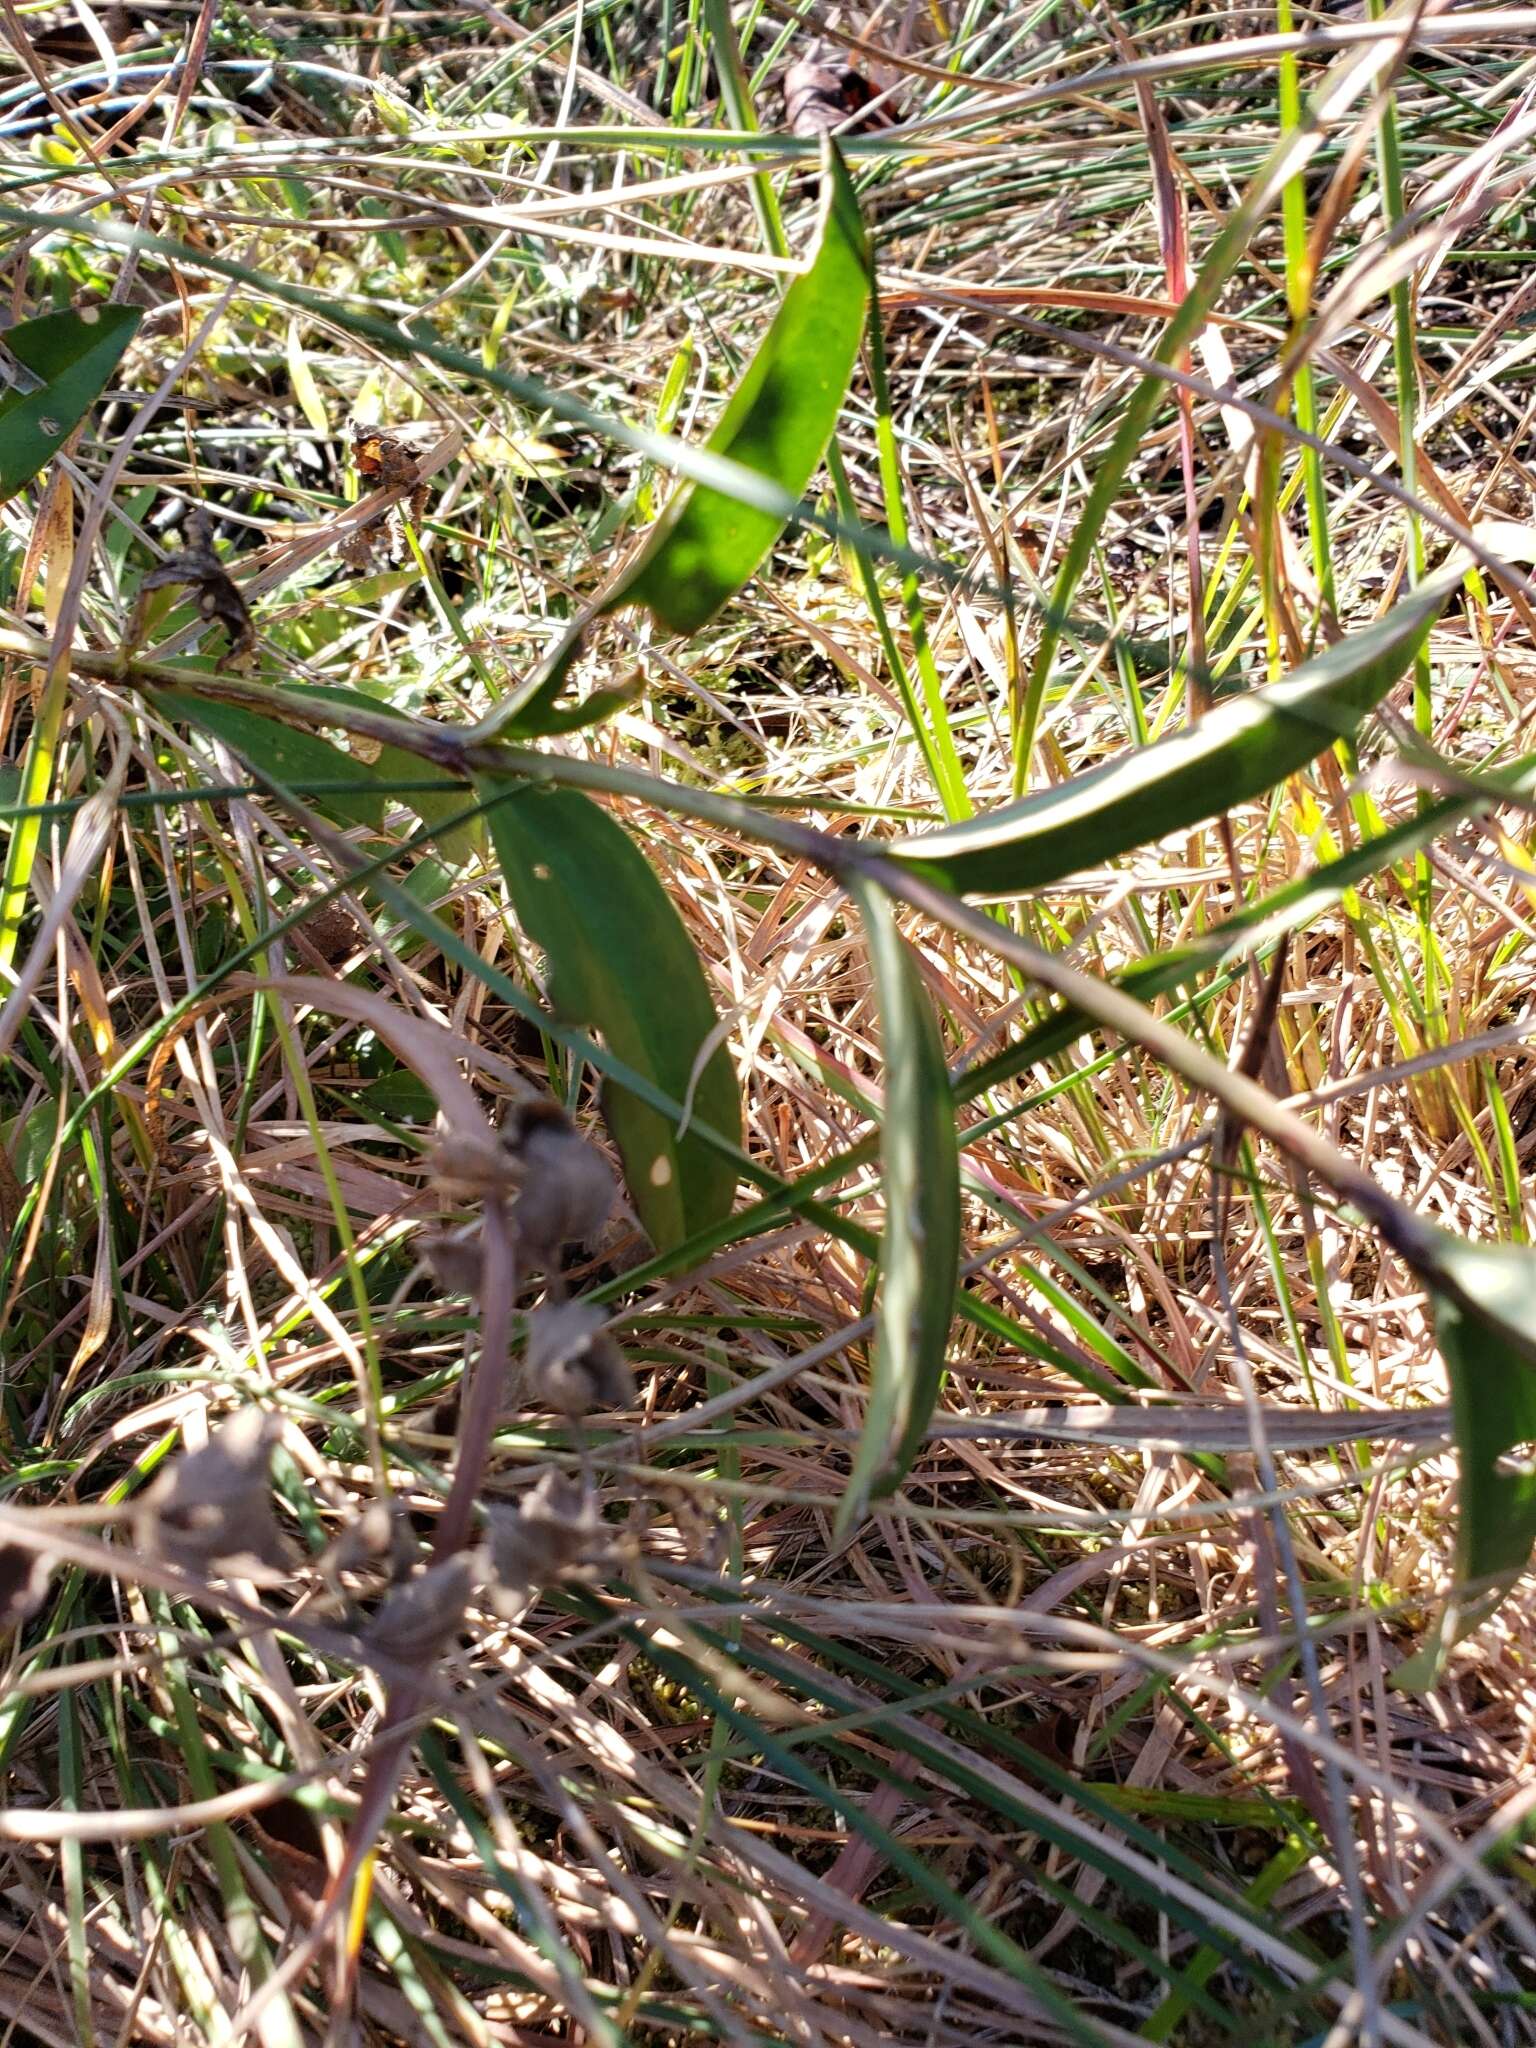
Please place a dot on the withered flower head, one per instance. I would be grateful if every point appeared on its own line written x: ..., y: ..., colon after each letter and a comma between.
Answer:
x: 212, y: 1509
x: 567, y: 1186
x: 471, y: 1164
x: 365, y: 1540
x: 421, y: 1616
x: 454, y: 1258
x: 219, y: 597
x: 571, y: 1364
x: 24, y: 1577
x: 551, y: 1532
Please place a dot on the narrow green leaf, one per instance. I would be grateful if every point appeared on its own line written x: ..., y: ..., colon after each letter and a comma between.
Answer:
x: 459, y: 843
x: 778, y: 422
x: 74, y: 353
x: 920, y: 1252
x: 1240, y: 749
x: 621, y: 963
x: 1247, y: 931
x: 1484, y: 1298
x: 297, y: 759
x: 71, y: 1767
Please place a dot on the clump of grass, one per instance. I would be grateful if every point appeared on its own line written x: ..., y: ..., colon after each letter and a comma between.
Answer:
x: 450, y: 1604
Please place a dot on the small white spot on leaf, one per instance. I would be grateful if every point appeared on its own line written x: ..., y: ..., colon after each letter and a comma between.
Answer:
x: 661, y: 1171
x: 540, y: 872
x: 89, y: 315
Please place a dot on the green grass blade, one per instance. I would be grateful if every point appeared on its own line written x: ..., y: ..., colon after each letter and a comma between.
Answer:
x: 707, y: 544
x: 297, y: 759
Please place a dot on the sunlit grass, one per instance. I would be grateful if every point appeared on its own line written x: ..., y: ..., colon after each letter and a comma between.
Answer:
x: 1041, y: 1747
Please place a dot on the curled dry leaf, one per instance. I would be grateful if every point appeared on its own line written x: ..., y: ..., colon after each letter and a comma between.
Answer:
x: 24, y: 1577
x: 570, y: 1364
x: 373, y: 545
x: 386, y: 458
x: 554, y: 1530
x: 219, y: 600
x: 823, y: 94
x: 211, y: 1510
x: 421, y: 1616
x: 567, y: 1187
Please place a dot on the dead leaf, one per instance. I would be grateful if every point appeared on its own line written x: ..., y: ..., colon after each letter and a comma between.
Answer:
x: 822, y: 94
x: 294, y: 1851
x: 373, y: 545
x: 52, y: 540
x: 520, y: 455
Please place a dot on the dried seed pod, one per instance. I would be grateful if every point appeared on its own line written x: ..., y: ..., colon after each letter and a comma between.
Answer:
x: 552, y: 1531
x: 24, y: 1578
x: 212, y: 1509
x: 567, y: 1186
x: 421, y: 1616
x: 218, y: 595
x: 570, y: 1363
x: 370, y: 546
x: 454, y: 1258
x: 366, y: 1540
x: 472, y: 1166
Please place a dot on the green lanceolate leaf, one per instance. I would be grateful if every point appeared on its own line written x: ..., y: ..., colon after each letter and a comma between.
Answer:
x: 621, y: 963
x: 392, y: 765
x: 1239, y: 750
x: 74, y: 353
x: 778, y: 422
x: 299, y: 760
x: 1484, y: 1300
x: 920, y: 1252
x: 1289, y: 908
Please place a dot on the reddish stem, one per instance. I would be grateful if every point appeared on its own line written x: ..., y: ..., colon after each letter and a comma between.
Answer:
x: 488, y: 1383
